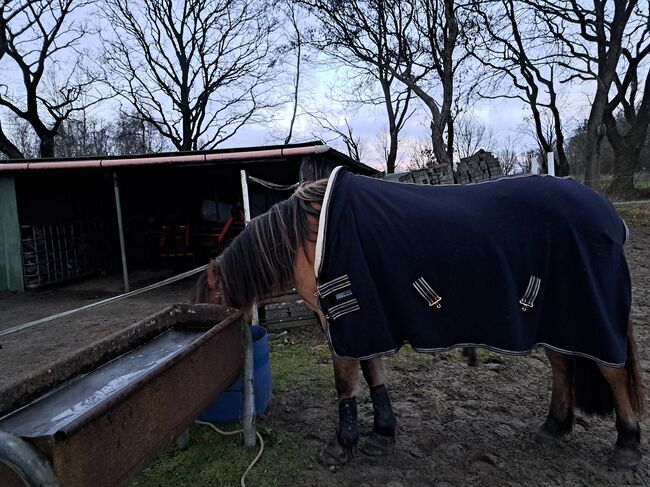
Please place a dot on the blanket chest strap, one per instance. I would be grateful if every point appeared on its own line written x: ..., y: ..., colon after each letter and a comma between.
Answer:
x: 427, y: 292
x: 531, y: 293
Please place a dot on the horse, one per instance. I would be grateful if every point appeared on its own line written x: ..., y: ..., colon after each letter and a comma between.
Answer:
x: 291, y: 243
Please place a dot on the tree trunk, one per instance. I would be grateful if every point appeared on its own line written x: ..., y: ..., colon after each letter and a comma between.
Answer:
x: 392, y: 152
x: 622, y: 184
x: 594, y: 137
x: 562, y: 163
x: 47, y: 145
x: 438, y: 144
x: 8, y: 148
x: 562, y: 167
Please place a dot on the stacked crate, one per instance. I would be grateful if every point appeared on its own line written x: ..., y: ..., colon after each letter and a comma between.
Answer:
x: 58, y: 252
x: 288, y: 311
x: 432, y: 174
x: 479, y: 167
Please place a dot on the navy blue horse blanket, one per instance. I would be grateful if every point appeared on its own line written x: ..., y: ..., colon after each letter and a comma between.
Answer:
x: 509, y: 265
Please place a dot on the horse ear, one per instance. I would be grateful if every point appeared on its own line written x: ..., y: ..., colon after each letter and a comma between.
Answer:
x: 212, y: 275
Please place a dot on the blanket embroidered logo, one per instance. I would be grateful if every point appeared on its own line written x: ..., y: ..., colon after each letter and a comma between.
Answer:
x: 342, y: 295
x: 337, y: 297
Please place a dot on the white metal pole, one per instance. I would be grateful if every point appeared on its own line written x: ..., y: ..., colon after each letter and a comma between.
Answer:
x: 120, y: 227
x: 244, y: 191
x: 248, y: 390
x: 550, y: 164
x: 247, y: 216
x: 248, y: 379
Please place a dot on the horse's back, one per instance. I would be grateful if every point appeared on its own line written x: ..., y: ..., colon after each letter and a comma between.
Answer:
x: 482, y: 248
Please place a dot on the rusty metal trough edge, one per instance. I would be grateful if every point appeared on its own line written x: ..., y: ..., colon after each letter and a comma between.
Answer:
x: 88, y: 358
x: 73, y: 450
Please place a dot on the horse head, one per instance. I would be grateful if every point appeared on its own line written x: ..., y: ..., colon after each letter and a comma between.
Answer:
x: 214, y: 292
x: 208, y: 286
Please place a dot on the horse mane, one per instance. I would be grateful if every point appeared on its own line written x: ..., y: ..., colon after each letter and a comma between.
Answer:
x: 259, y: 261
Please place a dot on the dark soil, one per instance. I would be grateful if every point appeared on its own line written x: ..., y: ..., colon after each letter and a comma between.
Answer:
x: 457, y: 425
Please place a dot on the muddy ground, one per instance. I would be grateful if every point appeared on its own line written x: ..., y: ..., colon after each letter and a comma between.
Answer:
x: 457, y: 425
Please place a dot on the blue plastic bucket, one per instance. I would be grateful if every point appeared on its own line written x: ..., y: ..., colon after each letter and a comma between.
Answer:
x: 228, y: 406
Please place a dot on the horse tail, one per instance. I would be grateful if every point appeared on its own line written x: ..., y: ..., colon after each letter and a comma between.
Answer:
x: 592, y: 392
x: 635, y: 387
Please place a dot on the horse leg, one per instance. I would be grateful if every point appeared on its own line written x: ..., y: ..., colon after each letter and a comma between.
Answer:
x: 342, y: 448
x: 559, y: 421
x: 470, y: 353
x: 382, y: 438
x: 627, y: 453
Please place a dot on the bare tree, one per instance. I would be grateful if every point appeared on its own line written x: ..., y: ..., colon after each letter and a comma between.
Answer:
x: 83, y: 135
x: 509, y: 157
x: 600, y: 43
x: 9, y: 10
x: 419, y: 154
x: 197, y: 70
x: 131, y: 135
x: 363, y: 35
x: 528, y: 159
x: 22, y: 133
x: 470, y: 136
x: 342, y: 132
x: 37, y: 39
x: 514, y: 56
x: 628, y: 138
x: 295, y: 44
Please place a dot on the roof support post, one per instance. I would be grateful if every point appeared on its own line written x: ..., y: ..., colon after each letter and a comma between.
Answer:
x: 120, y: 227
x: 11, y: 264
x: 248, y: 389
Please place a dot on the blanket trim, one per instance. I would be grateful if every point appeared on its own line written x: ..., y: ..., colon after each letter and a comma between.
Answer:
x: 475, y: 345
x: 322, y: 222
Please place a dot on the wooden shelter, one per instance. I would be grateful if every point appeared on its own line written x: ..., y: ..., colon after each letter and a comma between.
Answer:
x: 58, y: 218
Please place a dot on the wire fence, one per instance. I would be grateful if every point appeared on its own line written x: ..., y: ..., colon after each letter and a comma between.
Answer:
x: 113, y: 299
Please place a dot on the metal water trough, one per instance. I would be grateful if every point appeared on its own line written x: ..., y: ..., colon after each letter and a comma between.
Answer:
x: 95, y: 418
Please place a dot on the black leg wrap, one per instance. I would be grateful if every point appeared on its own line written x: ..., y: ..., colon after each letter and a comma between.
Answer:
x: 348, y: 434
x: 550, y: 432
x: 384, y: 418
x: 627, y: 454
x: 628, y: 437
x: 558, y: 427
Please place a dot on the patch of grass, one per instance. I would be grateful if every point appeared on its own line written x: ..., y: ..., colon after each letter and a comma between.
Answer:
x: 634, y: 214
x: 408, y: 359
x: 219, y: 461
x: 302, y: 361
x: 642, y: 182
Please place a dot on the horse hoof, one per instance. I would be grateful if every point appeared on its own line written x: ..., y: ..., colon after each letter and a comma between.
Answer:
x: 544, y: 438
x: 376, y: 445
x: 625, y: 459
x: 335, y: 455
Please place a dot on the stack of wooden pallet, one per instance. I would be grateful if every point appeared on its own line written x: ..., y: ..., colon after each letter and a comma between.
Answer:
x: 479, y: 167
x: 432, y: 174
x: 286, y: 311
